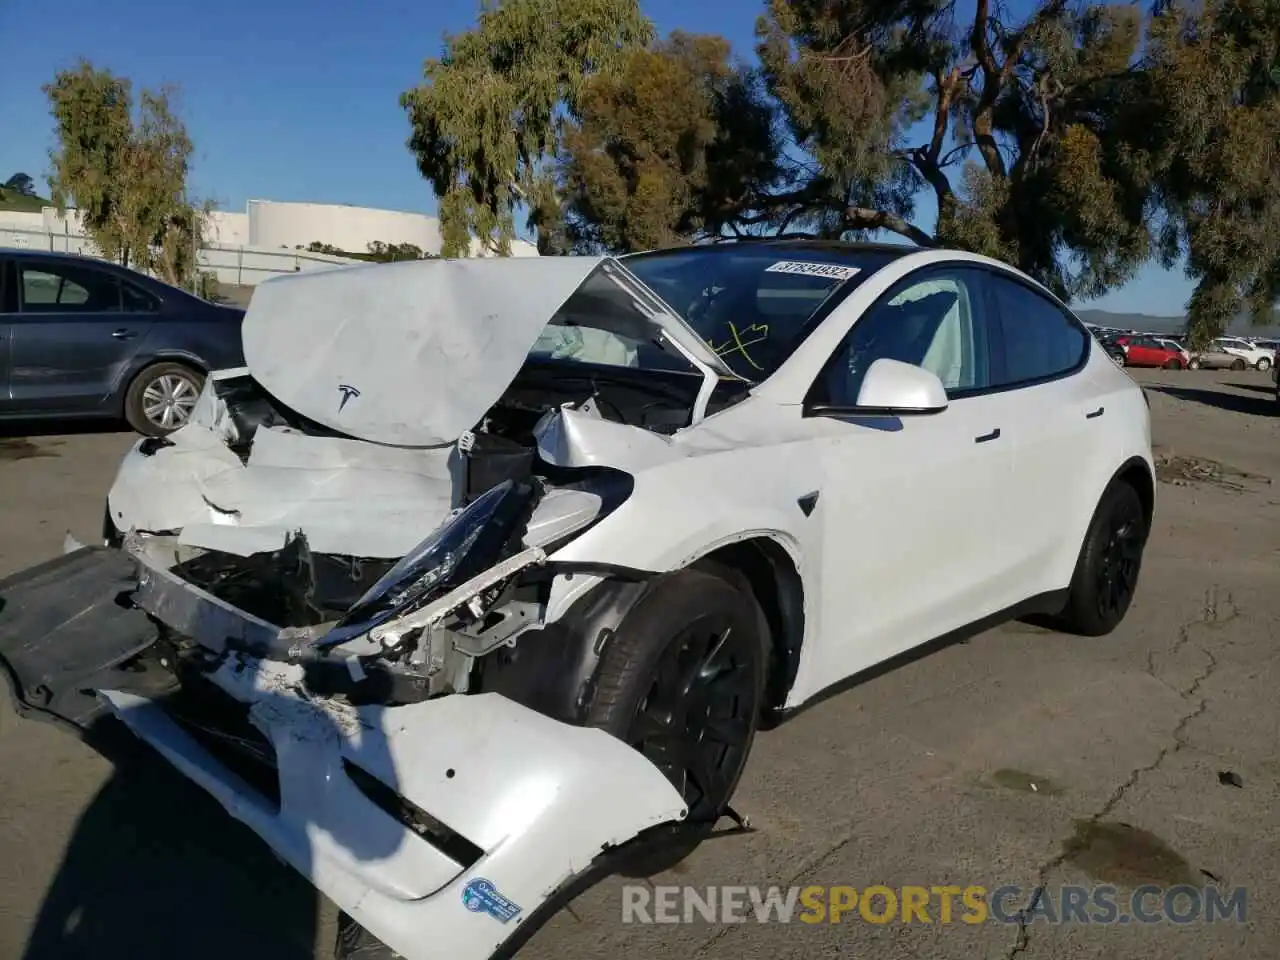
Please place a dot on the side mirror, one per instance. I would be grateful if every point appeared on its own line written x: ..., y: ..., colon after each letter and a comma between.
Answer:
x: 891, y: 388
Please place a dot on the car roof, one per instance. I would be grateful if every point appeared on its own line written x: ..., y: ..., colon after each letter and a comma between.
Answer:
x: 788, y: 243
x: 22, y: 253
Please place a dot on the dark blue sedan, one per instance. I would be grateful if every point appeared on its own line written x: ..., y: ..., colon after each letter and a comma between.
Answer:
x: 81, y: 337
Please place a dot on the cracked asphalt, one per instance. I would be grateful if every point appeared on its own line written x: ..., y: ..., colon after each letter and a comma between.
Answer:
x: 1021, y: 758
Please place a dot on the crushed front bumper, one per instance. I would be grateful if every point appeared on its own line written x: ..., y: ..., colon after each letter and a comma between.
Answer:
x: 447, y: 828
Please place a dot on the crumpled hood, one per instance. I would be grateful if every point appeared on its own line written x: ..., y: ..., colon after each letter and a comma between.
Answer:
x: 415, y: 353
x: 410, y: 353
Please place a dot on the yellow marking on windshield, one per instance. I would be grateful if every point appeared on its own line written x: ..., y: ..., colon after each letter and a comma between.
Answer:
x: 736, y: 343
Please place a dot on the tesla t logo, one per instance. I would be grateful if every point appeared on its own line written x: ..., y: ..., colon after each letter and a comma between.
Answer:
x: 347, y: 393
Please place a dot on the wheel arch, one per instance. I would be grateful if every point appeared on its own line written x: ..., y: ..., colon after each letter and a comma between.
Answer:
x: 1137, y: 473
x: 765, y: 568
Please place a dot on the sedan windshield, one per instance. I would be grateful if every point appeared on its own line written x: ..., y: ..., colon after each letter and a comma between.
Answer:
x: 753, y: 304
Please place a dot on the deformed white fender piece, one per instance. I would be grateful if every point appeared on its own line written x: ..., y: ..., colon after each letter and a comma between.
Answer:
x: 527, y: 801
x: 161, y: 491
x: 576, y: 438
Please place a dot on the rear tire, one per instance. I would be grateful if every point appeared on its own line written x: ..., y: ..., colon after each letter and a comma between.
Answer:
x: 1264, y: 364
x: 1106, y: 574
x: 1238, y: 363
x: 682, y: 681
x: 161, y: 387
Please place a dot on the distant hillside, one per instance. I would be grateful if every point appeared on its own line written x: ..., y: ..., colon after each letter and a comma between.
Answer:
x: 1148, y: 323
x: 22, y: 204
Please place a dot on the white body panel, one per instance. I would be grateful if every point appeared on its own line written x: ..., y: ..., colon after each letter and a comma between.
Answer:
x: 525, y: 789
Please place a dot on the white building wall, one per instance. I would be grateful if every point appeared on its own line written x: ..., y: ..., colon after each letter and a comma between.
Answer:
x: 227, y: 228
x: 246, y: 248
x: 352, y: 229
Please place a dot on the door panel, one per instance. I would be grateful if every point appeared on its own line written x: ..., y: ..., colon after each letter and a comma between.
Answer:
x: 72, y: 341
x: 913, y: 539
x: 913, y: 545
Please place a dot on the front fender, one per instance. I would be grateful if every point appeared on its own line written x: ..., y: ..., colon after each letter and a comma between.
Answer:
x: 660, y: 528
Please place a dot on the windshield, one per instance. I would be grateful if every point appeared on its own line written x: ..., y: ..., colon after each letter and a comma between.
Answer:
x: 752, y: 303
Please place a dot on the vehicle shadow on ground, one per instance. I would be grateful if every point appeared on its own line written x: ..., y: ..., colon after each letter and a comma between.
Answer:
x: 156, y: 869
x: 20, y: 429
x: 1268, y: 388
x: 1258, y: 406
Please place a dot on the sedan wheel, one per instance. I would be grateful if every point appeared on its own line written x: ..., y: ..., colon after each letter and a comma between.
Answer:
x: 1238, y: 363
x: 161, y: 398
x: 1194, y: 364
x: 1264, y: 364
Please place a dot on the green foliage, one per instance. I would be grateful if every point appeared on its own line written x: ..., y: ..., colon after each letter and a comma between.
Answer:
x: 1023, y: 154
x: 1077, y: 142
x: 1211, y: 138
x: 669, y: 147
x: 378, y: 252
x: 20, y: 184
x: 486, y: 121
x: 124, y: 173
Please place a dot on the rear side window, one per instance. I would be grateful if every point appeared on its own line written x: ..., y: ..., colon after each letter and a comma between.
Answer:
x: 1041, y: 340
x: 67, y: 288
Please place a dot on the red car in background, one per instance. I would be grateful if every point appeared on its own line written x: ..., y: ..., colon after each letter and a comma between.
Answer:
x: 1141, y: 351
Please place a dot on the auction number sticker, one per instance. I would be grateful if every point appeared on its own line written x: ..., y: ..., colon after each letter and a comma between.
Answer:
x: 808, y: 268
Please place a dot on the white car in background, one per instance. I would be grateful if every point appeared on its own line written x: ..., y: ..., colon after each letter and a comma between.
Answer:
x: 1258, y: 357
x: 475, y: 585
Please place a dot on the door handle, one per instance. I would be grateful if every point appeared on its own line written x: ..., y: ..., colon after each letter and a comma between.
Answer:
x: 1096, y: 413
x: 123, y: 334
x: 993, y: 435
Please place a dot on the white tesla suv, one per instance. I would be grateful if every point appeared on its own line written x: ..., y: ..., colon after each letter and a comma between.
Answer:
x: 476, y: 583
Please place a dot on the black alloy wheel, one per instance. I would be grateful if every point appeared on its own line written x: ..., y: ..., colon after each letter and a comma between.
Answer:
x: 1109, y: 565
x: 1118, y: 565
x: 695, y: 723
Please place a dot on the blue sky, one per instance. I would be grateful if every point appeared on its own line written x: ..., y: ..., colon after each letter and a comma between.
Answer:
x: 298, y: 99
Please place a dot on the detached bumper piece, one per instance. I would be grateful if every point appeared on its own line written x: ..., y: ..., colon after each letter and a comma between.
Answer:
x: 65, y: 631
x: 449, y: 829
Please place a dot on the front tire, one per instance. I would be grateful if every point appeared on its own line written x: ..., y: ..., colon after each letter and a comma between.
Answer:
x: 1106, y: 574
x: 1194, y: 364
x: 682, y: 681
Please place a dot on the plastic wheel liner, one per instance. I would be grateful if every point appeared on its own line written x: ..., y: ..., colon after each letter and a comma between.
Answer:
x: 449, y: 828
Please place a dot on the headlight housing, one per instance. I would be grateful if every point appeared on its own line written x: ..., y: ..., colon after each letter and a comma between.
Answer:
x: 459, y: 549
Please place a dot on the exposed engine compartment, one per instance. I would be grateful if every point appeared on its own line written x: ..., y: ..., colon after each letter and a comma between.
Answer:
x: 335, y: 613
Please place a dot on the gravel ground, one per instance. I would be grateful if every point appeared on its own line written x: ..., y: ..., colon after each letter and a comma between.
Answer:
x: 922, y: 775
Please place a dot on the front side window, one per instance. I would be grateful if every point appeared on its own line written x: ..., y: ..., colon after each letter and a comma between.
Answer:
x: 1041, y: 340
x: 67, y: 288
x: 936, y: 322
